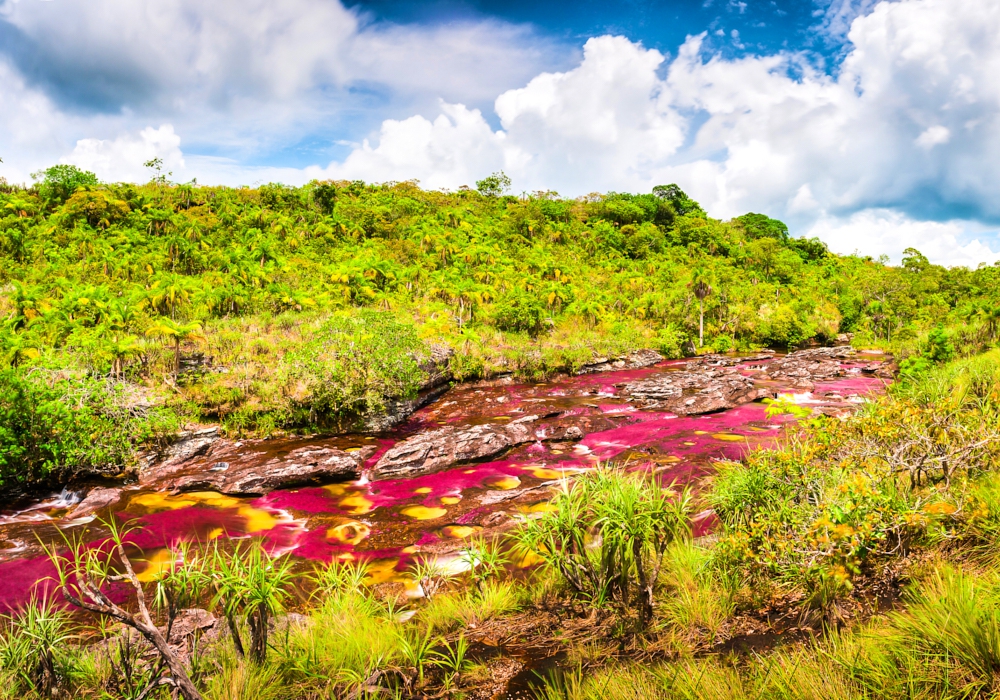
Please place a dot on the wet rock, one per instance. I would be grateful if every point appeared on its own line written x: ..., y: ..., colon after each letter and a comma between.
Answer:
x: 239, y: 469
x: 814, y: 364
x: 398, y: 410
x: 95, y: 500
x: 690, y: 393
x: 634, y: 360
x: 451, y: 445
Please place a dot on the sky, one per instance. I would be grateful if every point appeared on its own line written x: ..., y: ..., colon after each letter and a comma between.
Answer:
x: 872, y: 125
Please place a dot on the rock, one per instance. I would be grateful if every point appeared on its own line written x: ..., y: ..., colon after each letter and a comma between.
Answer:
x: 238, y: 469
x: 193, y: 443
x: 814, y: 364
x: 98, y: 498
x: 634, y: 360
x: 398, y: 410
x: 448, y: 446
x: 726, y: 360
x: 188, y: 622
x: 689, y: 393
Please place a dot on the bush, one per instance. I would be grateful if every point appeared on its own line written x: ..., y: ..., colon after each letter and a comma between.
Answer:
x: 352, y: 364
x: 519, y: 312
x: 52, y: 426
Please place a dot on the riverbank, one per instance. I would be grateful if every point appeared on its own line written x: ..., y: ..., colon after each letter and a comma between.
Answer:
x: 418, y: 534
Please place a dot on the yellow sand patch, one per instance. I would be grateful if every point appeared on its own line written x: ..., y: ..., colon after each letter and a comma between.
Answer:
x: 423, y: 489
x: 504, y: 483
x: 423, y: 512
x: 349, y: 533
x: 459, y: 532
x: 336, y: 489
x: 557, y: 452
x: 543, y: 507
x: 156, y: 565
x: 729, y: 437
x: 669, y: 459
x: 450, y: 500
x: 469, y: 471
x: 701, y: 432
x: 356, y: 504
x: 257, y: 519
x: 529, y: 559
x: 352, y: 450
x: 688, y: 444
x: 382, y: 570
x: 542, y: 473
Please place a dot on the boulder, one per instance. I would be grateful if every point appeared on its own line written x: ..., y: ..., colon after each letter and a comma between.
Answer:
x: 634, y: 360
x: 814, y: 364
x: 689, y: 392
x: 239, y: 469
x: 95, y: 500
x: 451, y: 445
x: 189, y: 621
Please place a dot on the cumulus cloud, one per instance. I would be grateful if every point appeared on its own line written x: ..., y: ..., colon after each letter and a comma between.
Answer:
x: 910, y: 124
x: 123, y: 158
x: 879, y: 232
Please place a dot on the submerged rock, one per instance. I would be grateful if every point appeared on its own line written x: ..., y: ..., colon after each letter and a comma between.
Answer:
x: 238, y: 469
x: 451, y: 445
x: 689, y: 393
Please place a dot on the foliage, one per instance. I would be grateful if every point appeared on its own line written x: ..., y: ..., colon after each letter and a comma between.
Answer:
x: 608, y: 535
x: 53, y: 425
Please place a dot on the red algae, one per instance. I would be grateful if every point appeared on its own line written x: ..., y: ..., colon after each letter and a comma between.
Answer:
x: 389, y: 522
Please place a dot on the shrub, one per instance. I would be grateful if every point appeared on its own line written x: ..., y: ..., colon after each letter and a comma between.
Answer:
x: 52, y: 425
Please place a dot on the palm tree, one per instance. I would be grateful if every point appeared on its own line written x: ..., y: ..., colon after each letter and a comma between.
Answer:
x: 700, y: 285
x: 180, y: 332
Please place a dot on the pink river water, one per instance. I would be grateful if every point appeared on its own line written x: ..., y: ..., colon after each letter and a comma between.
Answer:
x: 389, y: 523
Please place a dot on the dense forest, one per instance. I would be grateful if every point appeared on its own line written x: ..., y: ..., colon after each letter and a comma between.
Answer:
x: 131, y: 310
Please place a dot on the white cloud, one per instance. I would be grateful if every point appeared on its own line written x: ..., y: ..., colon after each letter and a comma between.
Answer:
x: 882, y: 232
x: 933, y: 136
x: 123, y: 158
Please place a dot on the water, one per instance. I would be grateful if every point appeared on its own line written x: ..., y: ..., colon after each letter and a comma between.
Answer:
x: 388, y: 523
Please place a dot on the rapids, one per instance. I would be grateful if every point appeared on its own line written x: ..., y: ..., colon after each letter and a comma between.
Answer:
x: 390, y: 522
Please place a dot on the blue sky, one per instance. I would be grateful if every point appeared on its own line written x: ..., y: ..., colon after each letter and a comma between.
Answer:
x: 875, y: 126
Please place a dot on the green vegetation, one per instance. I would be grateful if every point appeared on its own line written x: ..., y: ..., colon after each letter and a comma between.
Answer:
x: 281, y: 308
x: 900, y: 502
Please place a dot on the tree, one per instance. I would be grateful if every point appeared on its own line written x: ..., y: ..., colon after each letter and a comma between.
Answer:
x: 701, y: 286
x: 60, y: 182
x: 757, y: 226
x: 180, y: 332
x: 682, y: 204
x: 496, y: 185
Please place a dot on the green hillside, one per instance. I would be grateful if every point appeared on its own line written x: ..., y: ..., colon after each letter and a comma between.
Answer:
x: 128, y: 310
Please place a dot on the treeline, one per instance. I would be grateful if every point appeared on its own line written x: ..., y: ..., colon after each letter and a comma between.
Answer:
x: 240, y: 305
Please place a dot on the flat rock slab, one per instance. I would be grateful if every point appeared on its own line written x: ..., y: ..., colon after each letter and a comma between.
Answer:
x: 814, y: 364
x: 448, y: 446
x: 240, y: 469
x: 634, y: 360
x: 689, y: 393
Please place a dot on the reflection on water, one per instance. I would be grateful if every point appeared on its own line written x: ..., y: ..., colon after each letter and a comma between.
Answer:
x: 388, y: 522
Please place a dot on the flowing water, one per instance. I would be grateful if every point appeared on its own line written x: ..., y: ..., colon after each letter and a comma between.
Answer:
x: 388, y: 523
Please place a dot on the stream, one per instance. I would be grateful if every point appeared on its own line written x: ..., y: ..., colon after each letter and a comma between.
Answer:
x: 391, y: 521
